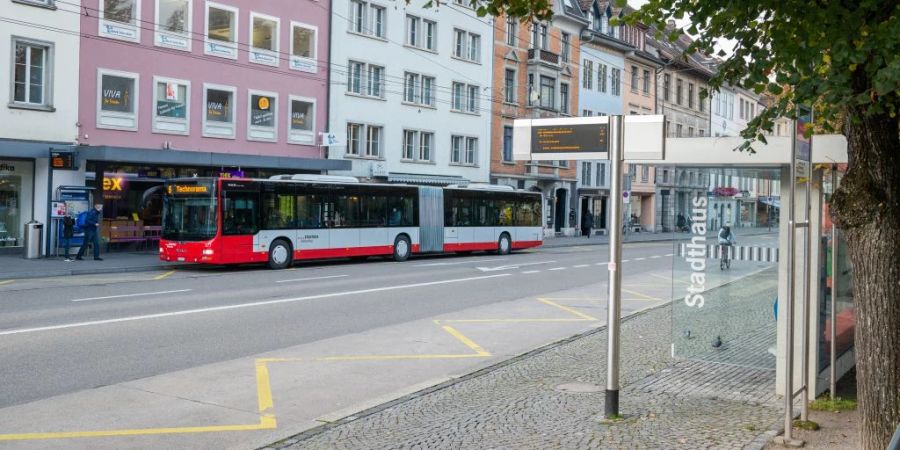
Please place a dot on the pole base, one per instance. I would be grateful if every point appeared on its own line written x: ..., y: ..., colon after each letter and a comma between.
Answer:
x: 612, y: 404
x: 793, y: 443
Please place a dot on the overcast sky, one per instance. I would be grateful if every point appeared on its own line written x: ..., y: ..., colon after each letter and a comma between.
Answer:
x: 723, y: 44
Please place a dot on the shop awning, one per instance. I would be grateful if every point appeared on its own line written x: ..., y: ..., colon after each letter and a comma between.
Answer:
x: 437, y: 180
x: 13, y: 148
x: 206, y: 159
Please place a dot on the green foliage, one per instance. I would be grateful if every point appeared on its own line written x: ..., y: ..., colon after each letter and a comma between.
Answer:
x: 806, y: 425
x: 839, y: 404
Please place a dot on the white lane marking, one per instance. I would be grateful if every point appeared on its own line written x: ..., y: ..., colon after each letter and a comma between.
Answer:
x: 243, y: 305
x: 656, y: 256
x: 639, y: 259
x: 600, y: 264
x: 512, y: 266
x: 129, y: 295
x: 310, y: 279
x: 581, y: 265
x: 670, y: 254
x: 557, y: 268
x: 530, y: 271
x: 626, y: 260
x: 474, y: 261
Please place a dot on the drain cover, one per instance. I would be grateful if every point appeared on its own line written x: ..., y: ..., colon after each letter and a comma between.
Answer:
x: 579, y: 388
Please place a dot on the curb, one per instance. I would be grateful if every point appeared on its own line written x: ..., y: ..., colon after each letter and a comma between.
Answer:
x: 71, y: 272
x: 317, y: 430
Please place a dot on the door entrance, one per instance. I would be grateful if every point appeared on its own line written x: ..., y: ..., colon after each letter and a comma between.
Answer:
x: 560, y: 218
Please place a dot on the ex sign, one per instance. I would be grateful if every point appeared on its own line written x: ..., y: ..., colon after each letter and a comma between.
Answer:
x: 578, y: 138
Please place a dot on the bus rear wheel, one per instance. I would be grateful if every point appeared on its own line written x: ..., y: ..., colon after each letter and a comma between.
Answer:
x: 279, y: 254
x: 504, y: 245
x: 401, y: 248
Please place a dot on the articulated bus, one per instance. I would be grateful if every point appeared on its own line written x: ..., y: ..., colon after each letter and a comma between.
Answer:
x: 297, y: 217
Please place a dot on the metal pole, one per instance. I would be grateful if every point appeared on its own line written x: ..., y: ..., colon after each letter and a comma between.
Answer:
x: 617, y: 132
x: 807, y: 307
x: 834, y: 272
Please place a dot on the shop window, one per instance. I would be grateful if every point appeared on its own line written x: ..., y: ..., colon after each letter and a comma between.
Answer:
x: 117, y: 100
x: 302, y: 121
x: 263, y: 39
x: 173, y: 24
x: 221, y: 31
x: 119, y: 19
x: 170, y: 114
x: 32, y: 62
x: 218, y: 115
x: 261, y: 120
x: 303, y: 47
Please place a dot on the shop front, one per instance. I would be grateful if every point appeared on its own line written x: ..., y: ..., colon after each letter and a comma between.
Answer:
x: 16, y: 198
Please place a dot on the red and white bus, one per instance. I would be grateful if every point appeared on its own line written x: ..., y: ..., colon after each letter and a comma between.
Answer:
x: 296, y: 217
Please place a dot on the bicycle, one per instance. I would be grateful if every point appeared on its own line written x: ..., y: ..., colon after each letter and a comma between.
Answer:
x: 724, y: 260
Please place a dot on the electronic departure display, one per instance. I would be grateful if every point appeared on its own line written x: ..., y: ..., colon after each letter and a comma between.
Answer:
x: 62, y: 160
x: 580, y: 138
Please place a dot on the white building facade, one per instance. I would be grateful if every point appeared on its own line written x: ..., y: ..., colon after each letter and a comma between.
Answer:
x: 40, y: 111
x: 410, y: 98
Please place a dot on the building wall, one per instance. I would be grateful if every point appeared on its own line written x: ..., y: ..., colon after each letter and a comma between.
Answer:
x: 141, y: 55
x: 638, y: 100
x: 594, y: 99
x: 57, y: 121
x: 682, y: 114
x: 393, y: 113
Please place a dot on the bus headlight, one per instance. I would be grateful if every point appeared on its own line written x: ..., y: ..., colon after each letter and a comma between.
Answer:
x: 161, y: 249
x: 207, y: 252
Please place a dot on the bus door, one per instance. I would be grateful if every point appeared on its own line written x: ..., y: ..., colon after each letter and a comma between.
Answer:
x: 314, y: 207
x: 240, y: 222
x: 432, y: 231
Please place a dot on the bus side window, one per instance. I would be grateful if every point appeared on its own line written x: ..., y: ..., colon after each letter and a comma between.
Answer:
x: 241, y: 210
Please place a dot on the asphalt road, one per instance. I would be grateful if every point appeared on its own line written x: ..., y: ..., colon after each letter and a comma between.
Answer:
x: 65, y: 335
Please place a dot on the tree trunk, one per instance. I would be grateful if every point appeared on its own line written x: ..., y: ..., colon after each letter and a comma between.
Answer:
x: 867, y: 208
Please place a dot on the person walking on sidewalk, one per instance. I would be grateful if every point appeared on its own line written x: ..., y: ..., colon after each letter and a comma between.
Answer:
x: 68, y: 232
x: 587, y: 224
x: 91, y: 233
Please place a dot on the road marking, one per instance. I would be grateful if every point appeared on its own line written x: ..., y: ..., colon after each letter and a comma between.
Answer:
x: 567, y: 309
x: 468, y: 342
x: 670, y: 254
x: 265, y: 423
x: 639, y: 259
x: 143, y: 294
x: 310, y: 279
x: 656, y: 256
x: 600, y: 264
x: 512, y: 266
x: 3, y: 283
x: 557, y: 268
x: 243, y: 305
x: 160, y: 277
x: 263, y: 387
x: 460, y: 262
x: 644, y: 296
x: 626, y: 260
x: 579, y: 266
x: 527, y: 272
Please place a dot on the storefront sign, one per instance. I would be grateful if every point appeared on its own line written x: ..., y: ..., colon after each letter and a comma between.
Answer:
x: 7, y: 167
x: 217, y: 108
x: 62, y: 160
x: 232, y: 174
x: 262, y: 114
x: 57, y: 210
x: 173, y: 109
x: 116, y: 95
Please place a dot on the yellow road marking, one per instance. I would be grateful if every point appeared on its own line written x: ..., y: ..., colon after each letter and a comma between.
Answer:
x: 510, y: 320
x: 567, y: 309
x: 263, y: 387
x: 3, y: 283
x: 667, y: 278
x: 160, y: 277
x: 400, y: 357
x: 468, y: 342
x: 644, y: 296
x: 265, y: 423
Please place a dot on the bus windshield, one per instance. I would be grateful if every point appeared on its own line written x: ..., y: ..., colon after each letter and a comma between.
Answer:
x: 189, y: 218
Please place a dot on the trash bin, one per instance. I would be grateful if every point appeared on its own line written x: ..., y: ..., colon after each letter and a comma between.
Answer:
x: 33, y: 233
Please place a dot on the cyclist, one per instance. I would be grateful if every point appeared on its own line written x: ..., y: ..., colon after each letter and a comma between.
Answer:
x: 726, y: 241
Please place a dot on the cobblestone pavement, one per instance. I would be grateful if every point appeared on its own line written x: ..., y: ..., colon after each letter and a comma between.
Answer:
x: 666, y: 403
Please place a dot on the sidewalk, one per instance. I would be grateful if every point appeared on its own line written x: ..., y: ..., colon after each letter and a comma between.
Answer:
x: 553, y: 397
x: 568, y: 241
x: 16, y: 267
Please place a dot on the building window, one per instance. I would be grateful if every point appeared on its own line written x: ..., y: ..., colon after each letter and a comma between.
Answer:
x: 678, y: 89
x: 117, y: 104
x: 507, y: 144
x: 509, y: 86
x: 601, y: 77
x: 601, y: 174
x: 690, y: 95
x: 417, y: 145
x: 373, y: 141
x: 218, y: 117
x: 539, y: 36
x: 466, y: 45
x: 512, y: 26
x: 430, y: 36
x: 354, y: 138
x: 263, y: 39
x: 690, y: 131
x: 261, y: 122
x: 364, y: 140
x: 586, y: 113
x: 367, y: 19
x: 563, y: 98
x: 171, y: 112
x: 645, y: 173
x: 221, y: 31
x: 530, y: 88
x: 667, y: 81
x: 587, y: 76
x: 465, y: 98
x: 647, y: 82
x: 566, y: 43
x: 585, y: 174
x: 32, y: 64
x: 548, y: 92
x: 616, y: 81
x: 678, y: 130
x: 545, y: 42
x: 304, y: 39
x: 365, y: 79
x: 119, y: 18
x: 418, y: 89
x: 463, y: 150
x: 173, y: 24
x: 634, y: 78
x: 412, y: 30
x: 702, y: 132
x: 302, y: 121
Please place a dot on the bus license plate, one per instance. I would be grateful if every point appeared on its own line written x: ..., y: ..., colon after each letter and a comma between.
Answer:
x: 181, y: 258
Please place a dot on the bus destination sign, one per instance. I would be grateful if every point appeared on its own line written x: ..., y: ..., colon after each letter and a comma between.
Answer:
x: 575, y: 138
x: 188, y: 189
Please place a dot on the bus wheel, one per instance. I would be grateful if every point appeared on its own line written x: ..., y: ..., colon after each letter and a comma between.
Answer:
x: 504, y: 245
x: 279, y: 254
x: 401, y: 248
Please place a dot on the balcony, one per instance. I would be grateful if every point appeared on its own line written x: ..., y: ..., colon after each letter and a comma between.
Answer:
x: 546, y: 57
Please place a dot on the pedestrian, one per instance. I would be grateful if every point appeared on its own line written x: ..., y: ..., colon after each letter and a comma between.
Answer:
x: 587, y: 224
x: 68, y: 232
x: 91, y: 234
